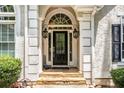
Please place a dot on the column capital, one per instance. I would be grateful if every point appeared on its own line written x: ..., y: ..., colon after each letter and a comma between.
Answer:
x: 41, y: 19
x: 80, y: 19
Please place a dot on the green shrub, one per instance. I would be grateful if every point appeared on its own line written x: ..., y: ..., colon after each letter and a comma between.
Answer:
x: 118, y: 77
x: 10, y: 69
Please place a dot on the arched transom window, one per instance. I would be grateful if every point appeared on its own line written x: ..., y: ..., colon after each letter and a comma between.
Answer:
x: 7, y: 8
x: 60, y: 19
x: 7, y: 30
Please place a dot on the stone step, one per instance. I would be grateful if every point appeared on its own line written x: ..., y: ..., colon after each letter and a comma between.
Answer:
x: 60, y: 86
x: 65, y: 73
x: 60, y: 78
x: 61, y: 75
x: 61, y: 83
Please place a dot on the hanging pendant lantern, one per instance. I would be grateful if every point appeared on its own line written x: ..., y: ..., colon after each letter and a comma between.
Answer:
x: 45, y: 33
x: 75, y: 33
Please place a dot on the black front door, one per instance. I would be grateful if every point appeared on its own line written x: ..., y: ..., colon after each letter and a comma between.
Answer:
x: 60, y: 48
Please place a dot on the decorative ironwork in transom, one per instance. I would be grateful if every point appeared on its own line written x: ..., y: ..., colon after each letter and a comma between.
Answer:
x: 60, y: 19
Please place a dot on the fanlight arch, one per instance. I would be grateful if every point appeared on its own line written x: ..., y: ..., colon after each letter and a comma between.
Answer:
x: 60, y: 19
x: 6, y: 8
x: 7, y: 12
x: 60, y: 11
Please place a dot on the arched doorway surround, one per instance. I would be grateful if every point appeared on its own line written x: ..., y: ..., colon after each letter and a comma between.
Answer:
x: 60, y: 48
x: 63, y: 11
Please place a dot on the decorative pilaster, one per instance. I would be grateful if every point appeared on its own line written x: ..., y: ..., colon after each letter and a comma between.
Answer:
x: 85, y: 45
x: 33, y: 58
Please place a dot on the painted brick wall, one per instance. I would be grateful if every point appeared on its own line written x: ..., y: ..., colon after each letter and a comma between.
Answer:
x: 103, y: 53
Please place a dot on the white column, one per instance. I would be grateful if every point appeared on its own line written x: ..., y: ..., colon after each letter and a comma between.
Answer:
x: 40, y: 46
x: 26, y: 43
x: 19, y: 39
x: 93, y: 50
x: 80, y: 47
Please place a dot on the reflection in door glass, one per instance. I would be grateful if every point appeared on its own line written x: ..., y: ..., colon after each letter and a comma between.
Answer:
x: 60, y: 43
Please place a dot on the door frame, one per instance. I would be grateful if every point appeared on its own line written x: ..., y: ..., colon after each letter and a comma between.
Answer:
x: 70, y: 63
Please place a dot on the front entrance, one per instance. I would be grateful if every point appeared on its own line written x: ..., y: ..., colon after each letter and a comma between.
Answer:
x: 60, y: 48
